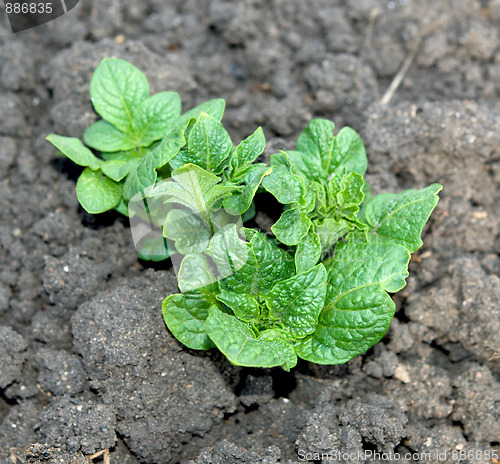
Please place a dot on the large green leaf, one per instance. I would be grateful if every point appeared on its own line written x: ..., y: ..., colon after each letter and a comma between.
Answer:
x: 155, y: 117
x: 74, y: 149
x: 241, y: 200
x: 358, y: 310
x: 237, y: 341
x: 103, y: 136
x: 297, y: 302
x: 117, y: 89
x: 97, y: 193
x: 402, y: 216
x: 185, y: 316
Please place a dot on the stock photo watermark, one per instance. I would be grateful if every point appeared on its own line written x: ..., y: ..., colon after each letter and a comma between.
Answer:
x: 458, y: 455
x: 26, y: 14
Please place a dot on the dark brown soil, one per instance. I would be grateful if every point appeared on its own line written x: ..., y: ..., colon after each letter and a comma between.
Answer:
x: 86, y: 362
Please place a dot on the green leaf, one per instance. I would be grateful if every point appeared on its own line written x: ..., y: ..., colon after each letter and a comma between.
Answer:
x: 333, y: 153
x: 402, y: 216
x: 121, y: 155
x: 155, y: 117
x: 103, y: 136
x: 188, y: 231
x: 117, y: 89
x: 244, y: 306
x: 144, y: 175
x: 214, y: 108
x: 194, y: 273
x: 153, y: 249
x: 308, y: 251
x: 248, y: 150
x: 258, y: 269
x: 358, y: 310
x: 283, y: 185
x: 209, y: 144
x: 292, y: 226
x: 194, y: 188
x: 241, y: 200
x: 347, y: 191
x: 297, y: 302
x: 317, y: 142
x: 117, y: 169
x: 239, y: 344
x: 229, y: 252
x: 122, y: 208
x: 74, y: 149
x: 306, y: 166
x: 330, y: 231
x: 96, y: 193
x: 350, y: 152
x: 185, y: 316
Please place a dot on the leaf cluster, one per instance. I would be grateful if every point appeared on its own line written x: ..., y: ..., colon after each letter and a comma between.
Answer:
x: 317, y: 289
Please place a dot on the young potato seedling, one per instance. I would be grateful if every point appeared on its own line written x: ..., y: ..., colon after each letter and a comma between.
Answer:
x: 317, y: 289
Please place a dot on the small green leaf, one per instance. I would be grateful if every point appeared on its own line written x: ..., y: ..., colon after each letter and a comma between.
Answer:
x: 185, y: 316
x: 144, y: 175
x: 402, y: 216
x: 308, y: 251
x: 258, y: 269
x: 358, y: 310
x: 297, y: 302
x: 241, y: 200
x: 330, y: 231
x: 74, y: 149
x: 103, y: 136
x: 283, y: 185
x: 96, y: 193
x: 209, y: 144
x: 153, y: 249
x: 244, y: 306
x: 122, y: 208
x: 188, y: 231
x: 121, y: 155
x: 237, y: 341
x: 346, y: 150
x: 117, y: 169
x: 214, y: 108
x: 155, y: 116
x: 229, y: 252
x: 350, y: 152
x: 194, y: 273
x: 292, y: 226
x: 194, y: 188
x: 117, y: 89
x: 346, y: 189
x: 248, y: 150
